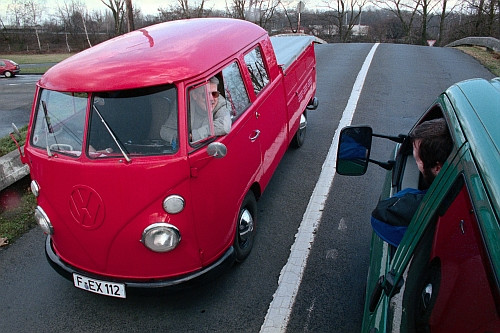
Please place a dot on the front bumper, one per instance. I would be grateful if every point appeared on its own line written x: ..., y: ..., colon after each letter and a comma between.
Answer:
x: 66, y: 270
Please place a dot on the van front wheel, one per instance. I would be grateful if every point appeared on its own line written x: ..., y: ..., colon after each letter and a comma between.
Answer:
x: 245, y: 227
x: 300, y: 135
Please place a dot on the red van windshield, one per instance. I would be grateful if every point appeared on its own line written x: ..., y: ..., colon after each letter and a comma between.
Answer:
x: 139, y: 122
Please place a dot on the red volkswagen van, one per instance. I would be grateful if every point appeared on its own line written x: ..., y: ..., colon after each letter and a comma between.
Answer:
x: 128, y: 195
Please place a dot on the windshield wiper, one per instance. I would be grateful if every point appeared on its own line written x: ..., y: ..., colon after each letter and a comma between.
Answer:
x: 48, y: 128
x: 112, y: 135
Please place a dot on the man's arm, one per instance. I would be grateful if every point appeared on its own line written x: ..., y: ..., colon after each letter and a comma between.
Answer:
x: 222, y: 118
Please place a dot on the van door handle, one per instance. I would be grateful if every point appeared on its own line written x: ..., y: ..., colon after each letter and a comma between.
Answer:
x: 256, y: 134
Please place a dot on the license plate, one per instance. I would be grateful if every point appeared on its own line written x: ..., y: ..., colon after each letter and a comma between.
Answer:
x: 99, y: 287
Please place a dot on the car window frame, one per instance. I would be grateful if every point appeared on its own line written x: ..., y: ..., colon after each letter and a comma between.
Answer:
x: 405, y: 149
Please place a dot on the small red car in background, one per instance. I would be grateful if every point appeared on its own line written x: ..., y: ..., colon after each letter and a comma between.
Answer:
x: 9, y: 68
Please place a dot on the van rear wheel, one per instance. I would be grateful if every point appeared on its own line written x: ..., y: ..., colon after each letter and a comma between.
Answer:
x: 245, y: 227
x: 300, y: 135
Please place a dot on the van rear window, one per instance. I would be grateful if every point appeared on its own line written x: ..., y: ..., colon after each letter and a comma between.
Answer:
x: 257, y: 69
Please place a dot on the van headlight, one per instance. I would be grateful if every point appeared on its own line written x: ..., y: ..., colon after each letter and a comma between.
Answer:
x: 161, y: 237
x: 43, y: 221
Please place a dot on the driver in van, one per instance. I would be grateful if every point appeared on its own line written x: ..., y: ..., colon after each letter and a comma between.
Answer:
x: 432, y: 144
x: 200, y: 127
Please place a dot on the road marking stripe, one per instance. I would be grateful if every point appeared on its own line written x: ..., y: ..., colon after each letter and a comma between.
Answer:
x: 280, y: 308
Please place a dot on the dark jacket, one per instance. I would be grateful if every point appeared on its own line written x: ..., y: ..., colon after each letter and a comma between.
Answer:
x: 391, y: 217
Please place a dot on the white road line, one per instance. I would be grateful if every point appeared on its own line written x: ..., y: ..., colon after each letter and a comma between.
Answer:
x: 280, y: 308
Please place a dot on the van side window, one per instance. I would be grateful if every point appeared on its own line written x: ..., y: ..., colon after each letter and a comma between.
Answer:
x: 257, y: 69
x: 200, y: 124
x: 234, y: 89
x: 448, y: 269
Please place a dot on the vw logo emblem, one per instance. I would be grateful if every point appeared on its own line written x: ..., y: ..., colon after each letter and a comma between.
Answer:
x: 86, y: 207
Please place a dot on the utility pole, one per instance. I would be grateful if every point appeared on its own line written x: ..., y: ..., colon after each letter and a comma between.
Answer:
x: 300, y: 8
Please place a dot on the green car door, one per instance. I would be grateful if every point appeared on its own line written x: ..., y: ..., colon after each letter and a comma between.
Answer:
x: 444, y: 275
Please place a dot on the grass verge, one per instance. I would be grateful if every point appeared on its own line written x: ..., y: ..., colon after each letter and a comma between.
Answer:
x: 7, y: 145
x: 45, y: 61
x: 36, y: 58
x: 17, y: 205
x: 489, y: 59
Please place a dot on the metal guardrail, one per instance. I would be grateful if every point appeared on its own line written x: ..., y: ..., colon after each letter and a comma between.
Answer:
x: 488, y: 42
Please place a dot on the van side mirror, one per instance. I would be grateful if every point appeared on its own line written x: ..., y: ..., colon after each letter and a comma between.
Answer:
x: 216, y: 150
x: 354, y: 150
x: 15, y: 135
x: 16, y: 131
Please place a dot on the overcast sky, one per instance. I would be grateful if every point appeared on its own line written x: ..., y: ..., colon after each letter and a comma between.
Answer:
x: 147, y: 6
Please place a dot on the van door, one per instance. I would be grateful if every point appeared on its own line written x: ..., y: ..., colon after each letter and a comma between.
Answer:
x: 218, y: 186
x: 271, y: 112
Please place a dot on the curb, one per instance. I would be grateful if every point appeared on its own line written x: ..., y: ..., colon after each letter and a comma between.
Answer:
x: 11, y: 169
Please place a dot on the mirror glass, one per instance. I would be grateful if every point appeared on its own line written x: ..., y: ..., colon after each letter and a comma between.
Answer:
x: 354, y: 150
x: 217, y: 150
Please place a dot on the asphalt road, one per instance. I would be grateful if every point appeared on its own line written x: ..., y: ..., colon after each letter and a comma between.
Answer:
x: 16, y: 98
x: 401, y: 83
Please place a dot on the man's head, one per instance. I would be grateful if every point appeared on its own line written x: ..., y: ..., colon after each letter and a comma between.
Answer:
x: 432, y: 144
x: 213, y: 93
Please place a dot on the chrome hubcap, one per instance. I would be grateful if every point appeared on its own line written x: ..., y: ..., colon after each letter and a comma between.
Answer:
x: 245, y: 226
x: 303, y: 122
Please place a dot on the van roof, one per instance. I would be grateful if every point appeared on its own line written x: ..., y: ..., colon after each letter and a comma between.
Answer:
x: 477, y: 105
x: 159, y: 54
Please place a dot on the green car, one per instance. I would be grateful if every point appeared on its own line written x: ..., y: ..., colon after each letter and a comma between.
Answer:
x: 444, y: 276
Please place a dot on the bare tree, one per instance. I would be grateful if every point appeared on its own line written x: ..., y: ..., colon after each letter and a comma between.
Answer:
x: 264, y: 11
x: 257, y: 11
x: 238, y: 8
x: 405, y: 11
x: 130, y: 16
x: 445, y: 12
x: 196, y: 10
x: 71, y: 14
x: 116, y: 7
x: 86, y: 31
x: 3, y: 33
x: 345, y: 15
x: 16, y: 12
x: 427, y: 7
x: 485, y: 12
x: 28, y: 13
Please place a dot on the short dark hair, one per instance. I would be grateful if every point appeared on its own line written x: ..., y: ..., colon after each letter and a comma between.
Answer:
x: 435, y: 141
